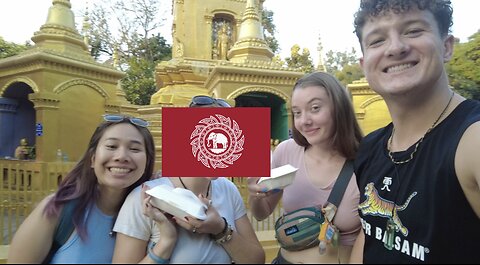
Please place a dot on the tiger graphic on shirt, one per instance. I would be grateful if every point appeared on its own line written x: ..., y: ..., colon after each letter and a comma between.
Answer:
x: 377, y: 206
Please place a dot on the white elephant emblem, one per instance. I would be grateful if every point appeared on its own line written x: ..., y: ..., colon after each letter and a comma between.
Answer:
x: 217, y: 138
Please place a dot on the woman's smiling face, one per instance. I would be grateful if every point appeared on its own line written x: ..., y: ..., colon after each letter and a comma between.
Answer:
x: 312, y: 113
x: 120, y: 158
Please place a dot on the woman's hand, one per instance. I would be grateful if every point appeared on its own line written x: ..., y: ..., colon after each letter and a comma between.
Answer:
x: 257, y: 191
x: 213, y: 224
x: 164, y: 221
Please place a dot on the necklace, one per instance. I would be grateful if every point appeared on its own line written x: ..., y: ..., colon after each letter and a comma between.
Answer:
x: 389, y: 144
x: 208, y: 188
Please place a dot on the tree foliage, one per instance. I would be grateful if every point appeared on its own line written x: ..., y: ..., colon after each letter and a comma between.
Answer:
x: 349, y: 73
x: 139, y: 82
x: 300, y: 61
x: 269, y: 30
x: 464, y: 67
x: 335, y: 61
x: 344, y: 65
x: 8, y: 49
x: 134, y: 39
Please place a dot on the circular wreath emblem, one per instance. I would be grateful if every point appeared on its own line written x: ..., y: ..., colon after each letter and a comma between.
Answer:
x: 217, y: 141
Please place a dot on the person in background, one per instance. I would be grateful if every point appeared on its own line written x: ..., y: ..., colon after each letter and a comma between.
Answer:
x: 119, y: 157
x: 325, y: 135
x: 419, y: 176
x: 145, y: 234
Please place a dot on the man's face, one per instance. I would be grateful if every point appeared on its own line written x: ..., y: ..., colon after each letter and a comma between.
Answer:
x: 403, y: 52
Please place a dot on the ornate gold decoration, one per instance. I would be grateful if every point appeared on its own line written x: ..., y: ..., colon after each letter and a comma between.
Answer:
x: 75, y: 82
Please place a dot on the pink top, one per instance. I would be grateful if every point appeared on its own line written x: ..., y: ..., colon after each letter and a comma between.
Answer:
x: 302, y: 193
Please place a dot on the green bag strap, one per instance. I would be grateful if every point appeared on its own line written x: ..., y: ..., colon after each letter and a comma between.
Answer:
x: 64, y: 229
x: 336, y: 195
x: 338, y: 190
x: 65, y: 226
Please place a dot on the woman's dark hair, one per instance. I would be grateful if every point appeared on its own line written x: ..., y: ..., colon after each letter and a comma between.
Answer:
x: 81, y: 182
x: 441, y: 10
x: 347, y: 135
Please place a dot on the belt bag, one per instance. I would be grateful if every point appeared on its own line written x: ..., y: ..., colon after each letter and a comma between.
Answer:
x: 299, y: 229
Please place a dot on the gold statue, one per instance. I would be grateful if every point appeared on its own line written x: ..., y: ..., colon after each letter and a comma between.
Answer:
x: 23, y: 150
x: 223, y: 42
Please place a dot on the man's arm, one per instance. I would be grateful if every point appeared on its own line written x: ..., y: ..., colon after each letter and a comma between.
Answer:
x: 357, y: 250
x: 467, y: 165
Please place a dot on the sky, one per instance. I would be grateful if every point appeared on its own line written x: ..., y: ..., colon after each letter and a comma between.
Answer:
x: 300, y: 22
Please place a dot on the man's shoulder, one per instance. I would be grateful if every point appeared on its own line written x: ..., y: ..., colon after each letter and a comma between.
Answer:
x: 376, y: 135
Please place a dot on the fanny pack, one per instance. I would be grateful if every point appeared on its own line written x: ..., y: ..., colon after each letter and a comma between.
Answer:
x: 299, y: 229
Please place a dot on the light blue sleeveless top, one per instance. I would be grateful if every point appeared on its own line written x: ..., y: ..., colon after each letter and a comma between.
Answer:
x: 98, y: 246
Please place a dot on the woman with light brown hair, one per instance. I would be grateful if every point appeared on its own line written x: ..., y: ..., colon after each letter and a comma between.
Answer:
x: 325, y: 136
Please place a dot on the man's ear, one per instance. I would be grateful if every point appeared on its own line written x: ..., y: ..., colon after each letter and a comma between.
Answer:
x: 92, y: 161
x: 361, y: 62
x: 448, y: 45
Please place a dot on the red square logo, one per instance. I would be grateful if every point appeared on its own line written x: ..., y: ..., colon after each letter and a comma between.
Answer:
x: 216, y: 142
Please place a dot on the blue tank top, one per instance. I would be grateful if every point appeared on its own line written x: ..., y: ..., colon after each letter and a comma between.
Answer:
x: 98, y: 246
x: 435, y: 222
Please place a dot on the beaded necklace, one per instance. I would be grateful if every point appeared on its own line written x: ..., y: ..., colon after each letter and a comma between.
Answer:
x: 391, y: 227
x: 389, y: 144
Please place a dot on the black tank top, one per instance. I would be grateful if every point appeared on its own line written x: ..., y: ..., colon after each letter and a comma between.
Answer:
x: 436, y: 222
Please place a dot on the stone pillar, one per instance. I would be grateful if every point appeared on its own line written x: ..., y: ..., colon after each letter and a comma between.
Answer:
x: 209, y: 36
x: 8, y: 109
x: 47, y: 114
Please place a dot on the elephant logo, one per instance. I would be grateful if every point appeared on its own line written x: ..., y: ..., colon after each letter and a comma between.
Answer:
x: 217, y: 141
x: 217, y: 138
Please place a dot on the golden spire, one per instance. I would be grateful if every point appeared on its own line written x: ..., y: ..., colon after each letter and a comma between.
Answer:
x: 321, y: 62
x: 251, y: 44
x: 86, y: 25
x: 115, y: 57
x: 61, y: 14
x: 59, y: 32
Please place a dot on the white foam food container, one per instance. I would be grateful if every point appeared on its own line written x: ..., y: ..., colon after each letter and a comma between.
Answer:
x: 280, y: 177
x: 177, y: 202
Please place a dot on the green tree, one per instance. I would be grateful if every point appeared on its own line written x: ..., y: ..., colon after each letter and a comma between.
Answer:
x: 8, y: 49
x: 99, y: 36
x: 139, y: 82
x: 139, y: 48
x: 464, y: 67
x: 300, y: 61
x: 344, y: 65
x: 269, y: 30
x: 335, y: 61
x: 349, y: 73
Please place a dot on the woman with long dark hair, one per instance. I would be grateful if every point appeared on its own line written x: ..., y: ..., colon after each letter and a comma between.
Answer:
x: 119, y: 157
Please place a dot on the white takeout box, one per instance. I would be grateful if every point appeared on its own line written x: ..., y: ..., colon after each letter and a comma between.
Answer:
x: 280, y: 177
x: 177, y: 202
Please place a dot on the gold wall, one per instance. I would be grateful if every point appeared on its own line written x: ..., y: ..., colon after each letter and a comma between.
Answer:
x: 370, y: 108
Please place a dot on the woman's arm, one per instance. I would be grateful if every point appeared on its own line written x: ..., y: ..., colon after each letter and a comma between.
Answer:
x: 129, y: 249
x: 133, y: 250
x: 34, y: 237
x: 244, y: 246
